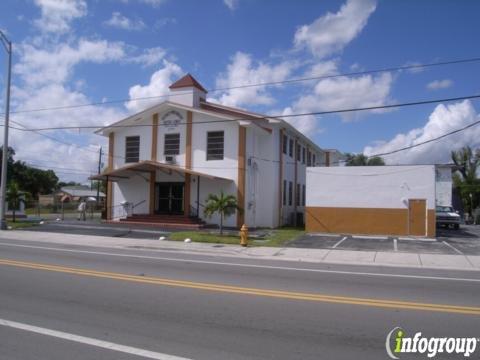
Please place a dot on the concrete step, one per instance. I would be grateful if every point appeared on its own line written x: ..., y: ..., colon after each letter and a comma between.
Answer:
x: 169, y: 225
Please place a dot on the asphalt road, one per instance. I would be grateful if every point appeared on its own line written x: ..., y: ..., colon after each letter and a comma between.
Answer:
x: 92, y: 303
x: 96, y: 228
x: 465, y: 241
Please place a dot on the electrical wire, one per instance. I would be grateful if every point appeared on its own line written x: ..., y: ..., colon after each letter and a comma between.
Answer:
x: 271, y: 83
x: 266, y: 117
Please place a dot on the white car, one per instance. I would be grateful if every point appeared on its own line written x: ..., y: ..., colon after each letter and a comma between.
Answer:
x: 446, y: 216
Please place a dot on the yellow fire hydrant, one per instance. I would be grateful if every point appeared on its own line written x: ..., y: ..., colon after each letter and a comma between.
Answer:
x: 244, y: 235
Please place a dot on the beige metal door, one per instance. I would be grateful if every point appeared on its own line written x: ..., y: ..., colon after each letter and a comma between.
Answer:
x: 417, y: 217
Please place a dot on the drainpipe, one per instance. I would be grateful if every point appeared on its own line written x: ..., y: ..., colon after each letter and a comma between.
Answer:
x: 198, y: 196
x: 295, y: 182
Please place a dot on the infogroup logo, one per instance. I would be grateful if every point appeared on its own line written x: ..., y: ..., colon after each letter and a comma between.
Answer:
x: 398, y: 343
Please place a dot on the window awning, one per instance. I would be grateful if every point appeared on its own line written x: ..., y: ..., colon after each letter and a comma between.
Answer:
x: 147, y: 166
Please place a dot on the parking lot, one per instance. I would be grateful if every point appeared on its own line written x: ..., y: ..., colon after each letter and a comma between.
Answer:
x: 465, y: 241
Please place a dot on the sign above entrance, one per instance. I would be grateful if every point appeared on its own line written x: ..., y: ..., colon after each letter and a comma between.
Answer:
x: 172, y: 119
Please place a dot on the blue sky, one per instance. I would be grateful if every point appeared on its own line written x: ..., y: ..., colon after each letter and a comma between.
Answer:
x: 69, y: 52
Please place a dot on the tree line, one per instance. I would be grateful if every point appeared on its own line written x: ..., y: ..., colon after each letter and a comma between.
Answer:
x: 465, y: 177
x: 30, y: 180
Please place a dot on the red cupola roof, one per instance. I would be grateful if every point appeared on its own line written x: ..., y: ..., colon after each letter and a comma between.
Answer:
x: 187, y: 81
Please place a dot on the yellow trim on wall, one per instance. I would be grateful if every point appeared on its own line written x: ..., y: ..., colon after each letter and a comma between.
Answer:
x: 242, y: 139
x: 154, y: 137
x: 367, y: 221
x: 111, y: 147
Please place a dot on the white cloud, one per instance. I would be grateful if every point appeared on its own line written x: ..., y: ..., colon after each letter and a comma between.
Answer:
x: 330, y: 33
x: 322, y: 68
x: 439, y: 84
x: 56, y: 15
x: 55, y: 62
x: 149, y: 57
x: 164, y: 22
x: 37, y: 149
x: 416, y: 67
x: 153, y: 2
x: 120, y: 21
x: 231, y: 4
x: 242, y: 70
x: 444, y: 119
x: 345, y: 93
x: 158, y: 86
x: 44, y: 78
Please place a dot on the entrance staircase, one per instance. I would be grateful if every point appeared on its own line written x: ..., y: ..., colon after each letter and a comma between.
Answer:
x: 164, y: 221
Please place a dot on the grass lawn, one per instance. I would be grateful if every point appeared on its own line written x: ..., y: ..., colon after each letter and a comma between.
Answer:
x: 19, y: 224
x: 277, y: 237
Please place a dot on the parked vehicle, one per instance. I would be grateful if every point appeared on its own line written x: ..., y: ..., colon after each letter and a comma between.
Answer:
x: 447, y: 216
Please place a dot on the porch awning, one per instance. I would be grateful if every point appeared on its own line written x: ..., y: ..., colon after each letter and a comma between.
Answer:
x: 147, y: 166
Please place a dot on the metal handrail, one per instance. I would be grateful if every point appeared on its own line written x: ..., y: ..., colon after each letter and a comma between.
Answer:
x: 139, y: 203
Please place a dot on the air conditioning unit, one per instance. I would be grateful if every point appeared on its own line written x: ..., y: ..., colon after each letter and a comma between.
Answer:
x: 170, y: 159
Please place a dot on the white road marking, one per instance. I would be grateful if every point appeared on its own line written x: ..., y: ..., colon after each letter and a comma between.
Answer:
x: 340, y: 272
x: 339, y: 242
x: 90, y: 341
x: 453, y: 248
x: 395, y: 245
x: 416, y: 239
x: 322, y: 234
x: 369, y: 237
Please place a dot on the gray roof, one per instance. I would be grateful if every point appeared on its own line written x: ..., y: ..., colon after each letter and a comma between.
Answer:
x: 80, y: 192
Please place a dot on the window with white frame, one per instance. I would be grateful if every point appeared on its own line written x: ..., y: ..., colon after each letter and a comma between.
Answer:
x: 171, y: 145
x: 132, y: 149
x: 215, y: 145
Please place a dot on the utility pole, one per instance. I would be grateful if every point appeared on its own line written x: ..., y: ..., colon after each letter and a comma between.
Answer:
x: 99, y: 171
x: 3, y: 182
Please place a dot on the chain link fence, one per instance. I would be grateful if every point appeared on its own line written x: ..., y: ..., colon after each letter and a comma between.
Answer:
x: 63, y: 210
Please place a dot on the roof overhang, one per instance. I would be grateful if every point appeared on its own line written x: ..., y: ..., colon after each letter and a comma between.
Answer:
x: 147, y: 166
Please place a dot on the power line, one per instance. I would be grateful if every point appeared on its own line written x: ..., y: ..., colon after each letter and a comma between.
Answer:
x: 355, y: 73
x: 60, y: 170
x: 83, y: 148
x: 271, y: 83
x: 370, y: 156
x: 266, y: 117
x: 427, y: 141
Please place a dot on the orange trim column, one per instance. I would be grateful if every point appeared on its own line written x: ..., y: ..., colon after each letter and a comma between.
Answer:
x: 295, y: 195
x: 151, y: 203
x: 188, y: 163
x: 153, y: 156
x: 280, y: 179
x: 242, y: 140
x: 111, y: 146
x: 154, y: 137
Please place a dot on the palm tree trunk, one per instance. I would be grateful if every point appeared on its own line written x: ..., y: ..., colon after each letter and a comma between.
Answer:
x: 221, y: 223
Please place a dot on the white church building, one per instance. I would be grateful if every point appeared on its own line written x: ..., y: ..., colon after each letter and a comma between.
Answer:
x: 164, y: 161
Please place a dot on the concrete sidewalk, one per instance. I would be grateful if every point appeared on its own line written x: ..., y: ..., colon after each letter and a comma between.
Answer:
x: 327, y: 256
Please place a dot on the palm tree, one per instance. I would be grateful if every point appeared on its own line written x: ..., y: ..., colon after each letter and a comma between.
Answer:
x: 14, y: 197
x: 225, y: 205
x: 363, y: 160
x: 465, y: 179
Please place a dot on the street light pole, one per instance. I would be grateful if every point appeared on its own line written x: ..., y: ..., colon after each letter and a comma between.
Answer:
x: 3, y: 182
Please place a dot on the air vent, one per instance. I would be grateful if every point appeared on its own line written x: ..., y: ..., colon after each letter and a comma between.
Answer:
x: 169, y: 159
